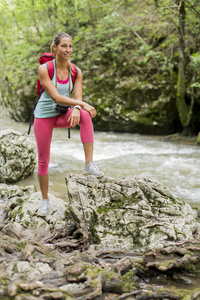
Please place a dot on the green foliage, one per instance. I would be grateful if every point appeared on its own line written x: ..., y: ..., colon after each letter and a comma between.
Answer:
x: 127, y: 50
x: 195, y: 58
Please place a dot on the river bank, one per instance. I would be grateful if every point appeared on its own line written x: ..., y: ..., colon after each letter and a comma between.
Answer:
x: 179, y: 138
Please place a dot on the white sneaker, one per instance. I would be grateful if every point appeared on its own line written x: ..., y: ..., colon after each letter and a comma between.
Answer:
x: 44, y: 208
x: 92, y: 169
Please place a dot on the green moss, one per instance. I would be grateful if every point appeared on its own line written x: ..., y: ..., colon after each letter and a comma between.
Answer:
x: 180, y: 100
x: 136, y: 235
x: 179, y: 232
x: 102, y: 209
x: 4, y: 281
x: 195, y: 208
x: 18, y: 211
x: 144, y: 120
x: 20, y: 245
x: 127, y: 283
x: 115, y: 203
x: 173, y: 292
x: 190, y: 295
x: 26, y: 224
x: 191, y: 267
x: 93, y: 236
x: 75, y: 271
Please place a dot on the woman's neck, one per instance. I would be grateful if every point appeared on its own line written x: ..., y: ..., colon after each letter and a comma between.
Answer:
x: 61, y: 64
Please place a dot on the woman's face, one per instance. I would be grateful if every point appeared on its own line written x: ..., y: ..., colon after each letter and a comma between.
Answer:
x: 64, y: 49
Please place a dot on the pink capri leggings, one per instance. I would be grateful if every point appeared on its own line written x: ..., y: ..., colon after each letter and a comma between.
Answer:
x: 43, y: 129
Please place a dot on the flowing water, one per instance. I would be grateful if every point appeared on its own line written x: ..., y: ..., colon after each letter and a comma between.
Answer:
x: 119, y: 155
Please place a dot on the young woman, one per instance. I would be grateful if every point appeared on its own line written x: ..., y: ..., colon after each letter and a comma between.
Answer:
x: 47, y: 118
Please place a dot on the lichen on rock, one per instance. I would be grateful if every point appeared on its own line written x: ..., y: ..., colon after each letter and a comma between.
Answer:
x: 17, y: 156
x: 50, y: 257
x: 132, y: 213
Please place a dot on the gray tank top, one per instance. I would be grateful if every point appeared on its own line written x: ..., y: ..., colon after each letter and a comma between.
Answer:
x: 46, y: 106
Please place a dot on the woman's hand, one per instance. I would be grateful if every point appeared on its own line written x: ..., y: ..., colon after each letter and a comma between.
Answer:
x: 74, y: 118
x: 89, y: 108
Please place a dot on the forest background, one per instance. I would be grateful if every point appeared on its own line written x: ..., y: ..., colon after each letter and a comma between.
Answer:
x: 140, y: 59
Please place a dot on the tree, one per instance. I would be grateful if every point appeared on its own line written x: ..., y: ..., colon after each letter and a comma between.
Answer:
x: 130, y: 66
x: 181, y: 10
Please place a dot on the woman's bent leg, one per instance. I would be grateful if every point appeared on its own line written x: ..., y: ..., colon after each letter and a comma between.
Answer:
x: 87, y: 135
x: 87, y: 138
x: 86, y: 127
x: 86, y: 131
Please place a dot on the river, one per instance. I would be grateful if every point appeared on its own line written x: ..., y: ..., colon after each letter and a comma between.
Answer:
x: 119, y: 155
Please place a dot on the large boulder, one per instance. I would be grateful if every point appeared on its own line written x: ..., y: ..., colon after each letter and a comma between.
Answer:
x: 19, y: 218
x: 132, y: 213
x: 22, y: 213
x: 17, y: 156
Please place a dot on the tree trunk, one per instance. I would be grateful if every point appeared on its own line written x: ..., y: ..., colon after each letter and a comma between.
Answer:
x: 181, y: 85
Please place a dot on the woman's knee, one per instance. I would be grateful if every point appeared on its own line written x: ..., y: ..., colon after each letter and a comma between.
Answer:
x: 84, y: 115
x: 43, y: 166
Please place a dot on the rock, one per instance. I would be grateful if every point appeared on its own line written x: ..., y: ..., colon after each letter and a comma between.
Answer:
x: 173, y: 258
x: 133, y: 213
x: 11, y: 196
x: 21, y: 221
x: 17, y: 156
x: 25, y: 222
x: 50, y: 258
x: 26, y: 270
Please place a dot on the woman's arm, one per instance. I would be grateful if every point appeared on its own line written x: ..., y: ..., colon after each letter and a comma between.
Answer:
x: 56, y: 97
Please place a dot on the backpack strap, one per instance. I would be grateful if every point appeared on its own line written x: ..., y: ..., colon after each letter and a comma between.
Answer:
x: 32, y: 115
x: 74, y: 72
x: 50, y: 68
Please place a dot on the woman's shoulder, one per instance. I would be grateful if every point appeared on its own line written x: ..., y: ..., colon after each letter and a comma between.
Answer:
x: 42, y: 69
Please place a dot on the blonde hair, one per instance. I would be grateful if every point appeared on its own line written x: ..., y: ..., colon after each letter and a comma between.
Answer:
x: 56, y: 41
